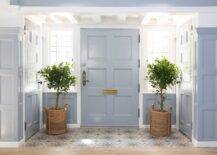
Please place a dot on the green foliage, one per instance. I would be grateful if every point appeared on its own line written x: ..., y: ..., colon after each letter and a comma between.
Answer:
x: 162, y: 74
x: 59, y: 78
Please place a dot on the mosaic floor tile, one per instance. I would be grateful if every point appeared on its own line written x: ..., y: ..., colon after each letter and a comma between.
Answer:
x: 107, y: 138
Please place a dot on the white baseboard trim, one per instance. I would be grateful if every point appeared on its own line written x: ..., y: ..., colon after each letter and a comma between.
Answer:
x: 69, y: 125
x: 148, y: 126
x: 73, y: 125
x: 204, y: 143
x: 11, y: 144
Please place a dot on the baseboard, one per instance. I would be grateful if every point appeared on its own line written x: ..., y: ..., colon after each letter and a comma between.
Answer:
x: 11, y: 144
x: 69, y: 126
x: 73, y: 126
x: 204, y: 143
x: 148, y: 126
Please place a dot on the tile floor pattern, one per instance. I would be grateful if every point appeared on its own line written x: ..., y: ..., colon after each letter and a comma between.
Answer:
x: 107, y: 138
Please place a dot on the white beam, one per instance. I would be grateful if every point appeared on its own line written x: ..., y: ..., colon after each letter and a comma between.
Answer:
x: 163, y: 19
x: 122, y: 18
x: 146, y: 19
x: 55, y: 19
x: 37, y: 19
x: 96, y: 18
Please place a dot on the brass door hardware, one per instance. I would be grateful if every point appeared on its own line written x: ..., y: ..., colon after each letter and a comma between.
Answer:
x: 84, y: 78
x: 110, y: 91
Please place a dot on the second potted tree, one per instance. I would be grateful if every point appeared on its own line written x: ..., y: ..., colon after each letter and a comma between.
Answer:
x: 59, y: 78
x: 161, y: 74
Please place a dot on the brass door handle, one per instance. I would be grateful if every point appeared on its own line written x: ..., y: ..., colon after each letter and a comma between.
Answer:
x: 110, y: 91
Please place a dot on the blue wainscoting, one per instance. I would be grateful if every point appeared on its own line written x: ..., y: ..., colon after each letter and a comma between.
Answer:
x: 150, y: 98
x: 205, y: 120
x: 49, y: 99
x: 20, y: 121
x: 185, y: 112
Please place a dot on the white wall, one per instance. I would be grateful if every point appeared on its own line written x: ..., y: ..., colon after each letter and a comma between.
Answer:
x: 9, y: 15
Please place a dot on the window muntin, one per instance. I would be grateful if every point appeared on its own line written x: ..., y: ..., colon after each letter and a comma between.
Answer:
x: 60, y: 46
x: 158, y: 45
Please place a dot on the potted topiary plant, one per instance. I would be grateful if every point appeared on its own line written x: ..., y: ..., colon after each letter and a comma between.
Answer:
x: 161, y: 74
x: 59, y: 78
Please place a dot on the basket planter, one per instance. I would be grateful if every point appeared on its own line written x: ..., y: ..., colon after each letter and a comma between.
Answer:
x: 160, y: 123
x: 161, y: 74
x: 56, y: 120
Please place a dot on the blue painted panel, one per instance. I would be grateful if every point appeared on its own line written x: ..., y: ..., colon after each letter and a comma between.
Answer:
x: 114, y: 3
x: 185, y: 113
x: 10, y: 111
x: 32, y: 113
x: 14, y: 2
x: 206, y: 105
x: 49, y: 100
x: 150, y: 98
x: 108, y: 56
x: 20, y: 121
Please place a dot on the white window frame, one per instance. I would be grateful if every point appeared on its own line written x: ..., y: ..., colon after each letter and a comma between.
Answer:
x: 75, y: 48
x: 47, y: 29
x: 172, y: 51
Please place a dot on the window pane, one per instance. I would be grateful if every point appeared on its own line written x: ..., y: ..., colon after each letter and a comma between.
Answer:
x: 158, y: 46
x: 60, y: 46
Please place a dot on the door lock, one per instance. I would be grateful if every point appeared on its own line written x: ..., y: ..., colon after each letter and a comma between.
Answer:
x: 40, y: 82
x: 84, y: 78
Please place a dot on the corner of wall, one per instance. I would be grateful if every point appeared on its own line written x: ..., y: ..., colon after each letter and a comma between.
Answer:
x: 10, y: 16
x: 6, y: 144
x: 204, y: 143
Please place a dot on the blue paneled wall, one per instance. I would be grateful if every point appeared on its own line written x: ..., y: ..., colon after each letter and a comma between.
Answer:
x: 150, y: 98
x: 49, y: 99
x: 114, y: 3
x: 205, y: 110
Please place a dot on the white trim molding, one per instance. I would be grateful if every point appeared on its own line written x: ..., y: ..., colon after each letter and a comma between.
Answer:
x: 204, y: 143
x: 148, y: 126
x: 69, y: 126
x: 11, y: 144
x: 73, y: 126
x: 36, y: 9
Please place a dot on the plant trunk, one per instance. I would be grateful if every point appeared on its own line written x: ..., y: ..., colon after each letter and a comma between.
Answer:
x: 57, y: 101
x: 161, y: 100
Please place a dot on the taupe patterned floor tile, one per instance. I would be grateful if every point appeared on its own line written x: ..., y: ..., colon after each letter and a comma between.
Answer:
x: 107, y: 138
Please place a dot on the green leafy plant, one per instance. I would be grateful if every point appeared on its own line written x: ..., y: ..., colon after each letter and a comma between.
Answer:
x: 59, y: 78
x: 162, y: 74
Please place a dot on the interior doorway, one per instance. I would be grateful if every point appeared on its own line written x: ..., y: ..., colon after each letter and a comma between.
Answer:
x: 171, y: 35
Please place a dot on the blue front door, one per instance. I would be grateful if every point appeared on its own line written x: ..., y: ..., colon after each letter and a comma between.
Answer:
x: 110, y: 72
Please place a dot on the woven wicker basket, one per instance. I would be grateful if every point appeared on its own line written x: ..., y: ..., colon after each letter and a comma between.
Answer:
x: 56, y: 120
x: 160, y: 123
